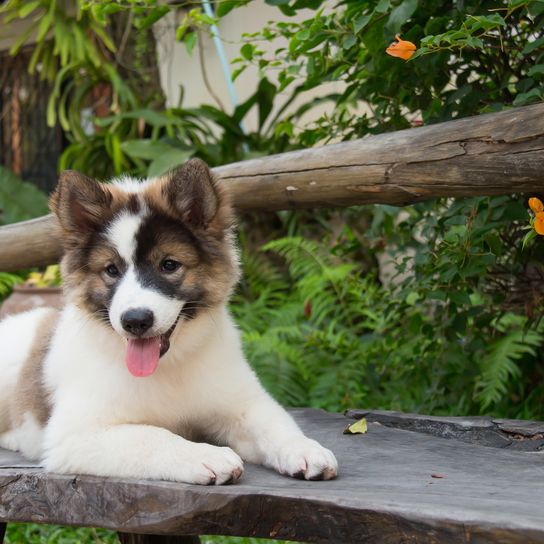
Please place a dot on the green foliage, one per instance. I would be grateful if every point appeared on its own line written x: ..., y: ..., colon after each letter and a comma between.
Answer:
x: 19, y: 200
x: 457, y: 328
x: 499, y: 365
x: 485, y: 55
x: 30, y: 533
x: 176, y: 134
x: 332, y: 328
x: 441, y: 339
x: 7, y: 282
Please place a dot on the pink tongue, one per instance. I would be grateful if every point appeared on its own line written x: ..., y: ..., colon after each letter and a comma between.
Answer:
x: 143, y: 356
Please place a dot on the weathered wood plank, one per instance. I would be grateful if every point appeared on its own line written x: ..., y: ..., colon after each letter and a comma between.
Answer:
x: 385, y: 493
x: 485, y: 431
x: 497, y: 153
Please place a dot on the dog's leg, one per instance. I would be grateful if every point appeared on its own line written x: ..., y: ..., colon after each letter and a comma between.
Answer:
x: 139, y: 451
x: 265, y: 433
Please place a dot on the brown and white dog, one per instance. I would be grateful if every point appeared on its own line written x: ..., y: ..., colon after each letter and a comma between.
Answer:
x: 144, y: 358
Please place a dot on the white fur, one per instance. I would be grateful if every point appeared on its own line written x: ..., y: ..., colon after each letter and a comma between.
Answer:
x: 122, y: 234
x: 130, y: 295
x: 107, y: 422
x: 16, y: 337
x: 27, y: 437
x: 132, y: 185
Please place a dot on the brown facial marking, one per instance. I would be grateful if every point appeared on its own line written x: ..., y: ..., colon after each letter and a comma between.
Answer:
x: 83, y: 208
x: 192, y: 197
x: 30, y: 395
x: 96, y: 288
x: 82, y: 205
x: 182, y: 252
x: 189, y: 219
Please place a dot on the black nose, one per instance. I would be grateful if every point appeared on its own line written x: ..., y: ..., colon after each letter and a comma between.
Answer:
x: 137, y: 321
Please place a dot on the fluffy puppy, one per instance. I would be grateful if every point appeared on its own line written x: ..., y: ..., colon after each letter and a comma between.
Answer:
x: 145, y: 362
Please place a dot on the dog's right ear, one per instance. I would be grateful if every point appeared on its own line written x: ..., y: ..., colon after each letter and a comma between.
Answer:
x: 80, y: 203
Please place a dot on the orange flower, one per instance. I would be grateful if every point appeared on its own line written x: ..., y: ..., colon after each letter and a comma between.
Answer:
x: 536, y: 205
x: 401, y: 49
x: 539, y: 222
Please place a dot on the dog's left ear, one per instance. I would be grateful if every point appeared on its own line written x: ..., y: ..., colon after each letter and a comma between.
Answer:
x: 79, y: 202
x: 193, y: 193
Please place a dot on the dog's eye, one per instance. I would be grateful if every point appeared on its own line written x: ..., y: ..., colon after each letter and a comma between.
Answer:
x: 112, y: 271
x: 169, y: 265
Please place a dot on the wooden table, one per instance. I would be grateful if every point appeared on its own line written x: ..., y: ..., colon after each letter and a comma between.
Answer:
x: 409, y: 479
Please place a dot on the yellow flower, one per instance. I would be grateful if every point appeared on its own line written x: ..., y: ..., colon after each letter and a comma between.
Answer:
x: 401, y: 48
x: 536, y: 205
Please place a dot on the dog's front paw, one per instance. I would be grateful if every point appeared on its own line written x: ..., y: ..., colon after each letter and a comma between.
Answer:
x: 212, y: 465
x: 305, y: 458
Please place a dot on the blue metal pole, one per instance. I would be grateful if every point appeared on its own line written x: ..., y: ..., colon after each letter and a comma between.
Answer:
x: 224, y: 64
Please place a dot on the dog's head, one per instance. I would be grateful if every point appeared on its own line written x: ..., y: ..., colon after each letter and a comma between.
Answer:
x: 143, y: 257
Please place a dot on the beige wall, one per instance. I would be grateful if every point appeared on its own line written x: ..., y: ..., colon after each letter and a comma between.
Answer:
x: 178, y: 69
x: 10, y: 32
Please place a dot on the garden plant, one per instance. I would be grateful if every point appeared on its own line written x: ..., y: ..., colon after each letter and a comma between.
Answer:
x: 456, y: 328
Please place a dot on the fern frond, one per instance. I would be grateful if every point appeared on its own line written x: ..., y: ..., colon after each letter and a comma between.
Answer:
x: 499, y: 364
x: 303, y: 256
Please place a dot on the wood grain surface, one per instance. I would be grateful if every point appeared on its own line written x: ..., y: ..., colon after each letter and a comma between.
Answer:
x: 492, y: 154
x: 422, y: 485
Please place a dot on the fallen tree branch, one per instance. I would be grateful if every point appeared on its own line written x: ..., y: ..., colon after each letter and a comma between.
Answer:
x: 492, y: 154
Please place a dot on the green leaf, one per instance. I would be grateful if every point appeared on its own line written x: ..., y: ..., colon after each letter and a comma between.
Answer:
x: 190, y: 42
x: 359, y: 427
x: 383, y: 6
x: 237, y: 72
x: 349, y: 41
x: 167, y: 161
x: 459, y: 297
x: 156, y: 14
x: 361, y: 22
x: 536, y: 70
x: 412, y: 298
x: 531, y: 46
x: 44, y: 27
x: 531, y: 235
x: 475, y: 43
x: 534, y: 95
x: 303, y: 35
x: 19, y: 200
x: 226, y: 6
x: 26, y: 9
x: 265, y: 100
x: 400, y: 15
x: 146, y: 149
x: 247, y: 51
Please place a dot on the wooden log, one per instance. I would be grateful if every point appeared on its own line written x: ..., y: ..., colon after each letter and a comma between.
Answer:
x: 408, y: 479
x: 493, y: 154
